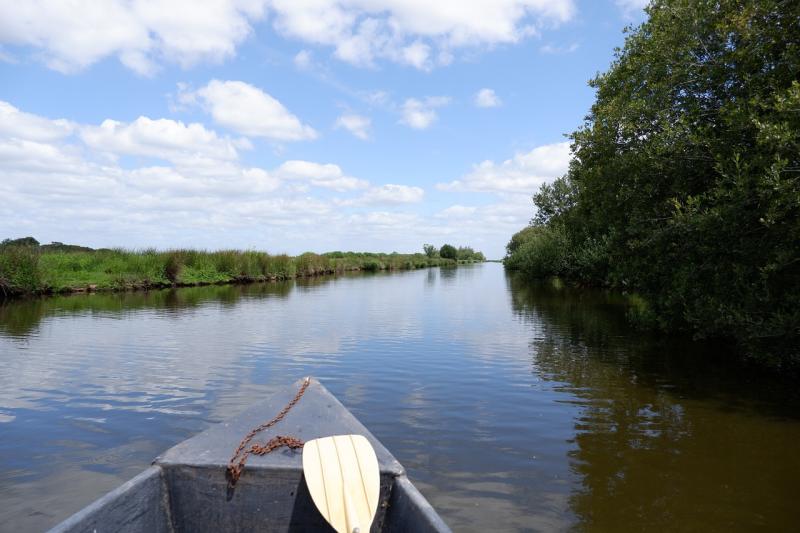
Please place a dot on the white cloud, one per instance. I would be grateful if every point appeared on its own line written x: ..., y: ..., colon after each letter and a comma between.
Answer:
x: 163, y: 138
x: 457, y: 212
x: 553, y: 49
x: 57, y: 188
x: 248, y: 110
x: 417, y: 54
x: 303, y: 59
x: 523, y: 174
x: 14, y: 122
x: 142, y: 34
x: 486, y: 98
x: 73, y: 35
x: 385, y: 221
x: 61, y: 186
x: 389, y: 194
x: 328, y: 176
x: 409, y: 32
x: 420, y: 114
x: 358, y: 125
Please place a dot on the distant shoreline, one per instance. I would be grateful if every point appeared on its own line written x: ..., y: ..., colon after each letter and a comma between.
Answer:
x: 33, y: 270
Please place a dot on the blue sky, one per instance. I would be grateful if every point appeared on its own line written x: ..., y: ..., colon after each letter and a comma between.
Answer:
x: 289, y: 126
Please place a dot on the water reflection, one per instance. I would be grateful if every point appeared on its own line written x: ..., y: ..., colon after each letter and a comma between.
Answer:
x: 20, y: 319
x: 667, y: 437
x: 514, y: 406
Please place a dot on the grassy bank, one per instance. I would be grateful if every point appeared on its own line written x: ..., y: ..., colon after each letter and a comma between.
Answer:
x: 34, y: 270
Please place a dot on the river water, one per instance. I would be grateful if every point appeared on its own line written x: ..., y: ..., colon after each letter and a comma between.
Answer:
x: 513, y: 406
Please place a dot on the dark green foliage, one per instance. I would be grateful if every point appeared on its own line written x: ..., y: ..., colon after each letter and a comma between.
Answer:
x: 553, y: 201
x: 61, y: 247
x: 430, y: 250
x: 685, y: 182
x: 448, y: 251
x: 24, y: 241
x: 542, y: 253
x: 371, y: 266
x: 465, y: 252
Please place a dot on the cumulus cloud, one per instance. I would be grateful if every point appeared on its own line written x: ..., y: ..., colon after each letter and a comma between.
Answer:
x: 247, y: 110
x: 142, y: 34
x: 389, y: 194
x: 488, y: 226
x: 59, y: 180
x: 162, y: 138
x: 457, y: 211
x: 70, y: 36
x: 486, y: 98
x: 15, y: 123
x: 358, y: 125
x: 420, y: 114
x: 522, y: 174
x: 392, y: 194
x: 419, y: 34
x: 328, y: 176
x: 58, y: 183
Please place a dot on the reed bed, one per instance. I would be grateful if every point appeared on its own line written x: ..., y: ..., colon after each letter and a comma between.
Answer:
x: 29, y: 270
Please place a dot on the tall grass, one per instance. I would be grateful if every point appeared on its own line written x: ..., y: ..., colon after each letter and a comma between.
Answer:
x: 19, y: 270
x: 27, y: 270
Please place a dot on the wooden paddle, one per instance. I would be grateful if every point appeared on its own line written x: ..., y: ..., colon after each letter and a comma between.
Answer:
x: 343, y: 479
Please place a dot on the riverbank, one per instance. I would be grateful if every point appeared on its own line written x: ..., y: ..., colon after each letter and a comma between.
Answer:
x: 27, y: 270
x: 688, y: 197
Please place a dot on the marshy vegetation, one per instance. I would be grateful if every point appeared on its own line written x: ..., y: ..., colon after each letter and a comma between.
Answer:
x: 29, y: 268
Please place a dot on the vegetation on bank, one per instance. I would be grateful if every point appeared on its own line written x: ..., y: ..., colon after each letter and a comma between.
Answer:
x: 29, y: 268
x: 448, y: 251
x: 685, y: 182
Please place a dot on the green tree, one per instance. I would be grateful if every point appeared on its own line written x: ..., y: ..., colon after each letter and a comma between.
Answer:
x: 24, y: 241
x: 448, y: 251
x: 685, y: 181
x: 465, y: 253
x: 430, y: 250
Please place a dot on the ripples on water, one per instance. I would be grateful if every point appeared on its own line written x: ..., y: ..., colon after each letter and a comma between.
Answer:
x: 514, y: 406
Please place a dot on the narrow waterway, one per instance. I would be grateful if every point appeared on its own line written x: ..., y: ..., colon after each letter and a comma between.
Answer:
x: 513, y: 406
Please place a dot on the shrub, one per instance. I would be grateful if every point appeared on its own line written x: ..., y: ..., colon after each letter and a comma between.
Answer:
x: 542, y: 254
x: 448, y: 251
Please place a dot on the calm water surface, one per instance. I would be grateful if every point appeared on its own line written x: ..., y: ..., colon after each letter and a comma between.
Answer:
x: 513, y: 406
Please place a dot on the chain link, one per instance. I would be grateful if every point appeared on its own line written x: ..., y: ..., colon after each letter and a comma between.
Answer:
x: 237, y: 462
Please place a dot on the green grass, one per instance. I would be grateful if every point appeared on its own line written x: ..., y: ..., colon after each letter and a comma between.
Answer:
x: 32, y: 270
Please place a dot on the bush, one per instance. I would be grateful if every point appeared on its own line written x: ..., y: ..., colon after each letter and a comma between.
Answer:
x: 448, y: 252
x: 542, y: 254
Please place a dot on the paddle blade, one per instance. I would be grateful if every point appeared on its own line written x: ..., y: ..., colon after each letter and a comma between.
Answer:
x: 343, y: 479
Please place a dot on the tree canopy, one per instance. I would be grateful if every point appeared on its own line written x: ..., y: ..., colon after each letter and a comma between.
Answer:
x: 685, y: 180
x: 448, y: 251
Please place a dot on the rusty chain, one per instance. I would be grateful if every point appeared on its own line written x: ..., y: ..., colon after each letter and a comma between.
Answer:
x: 237, y: 462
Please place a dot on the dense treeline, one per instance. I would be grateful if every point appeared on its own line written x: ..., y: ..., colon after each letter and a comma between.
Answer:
x: 26, y: 267
x: 685, y: 182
